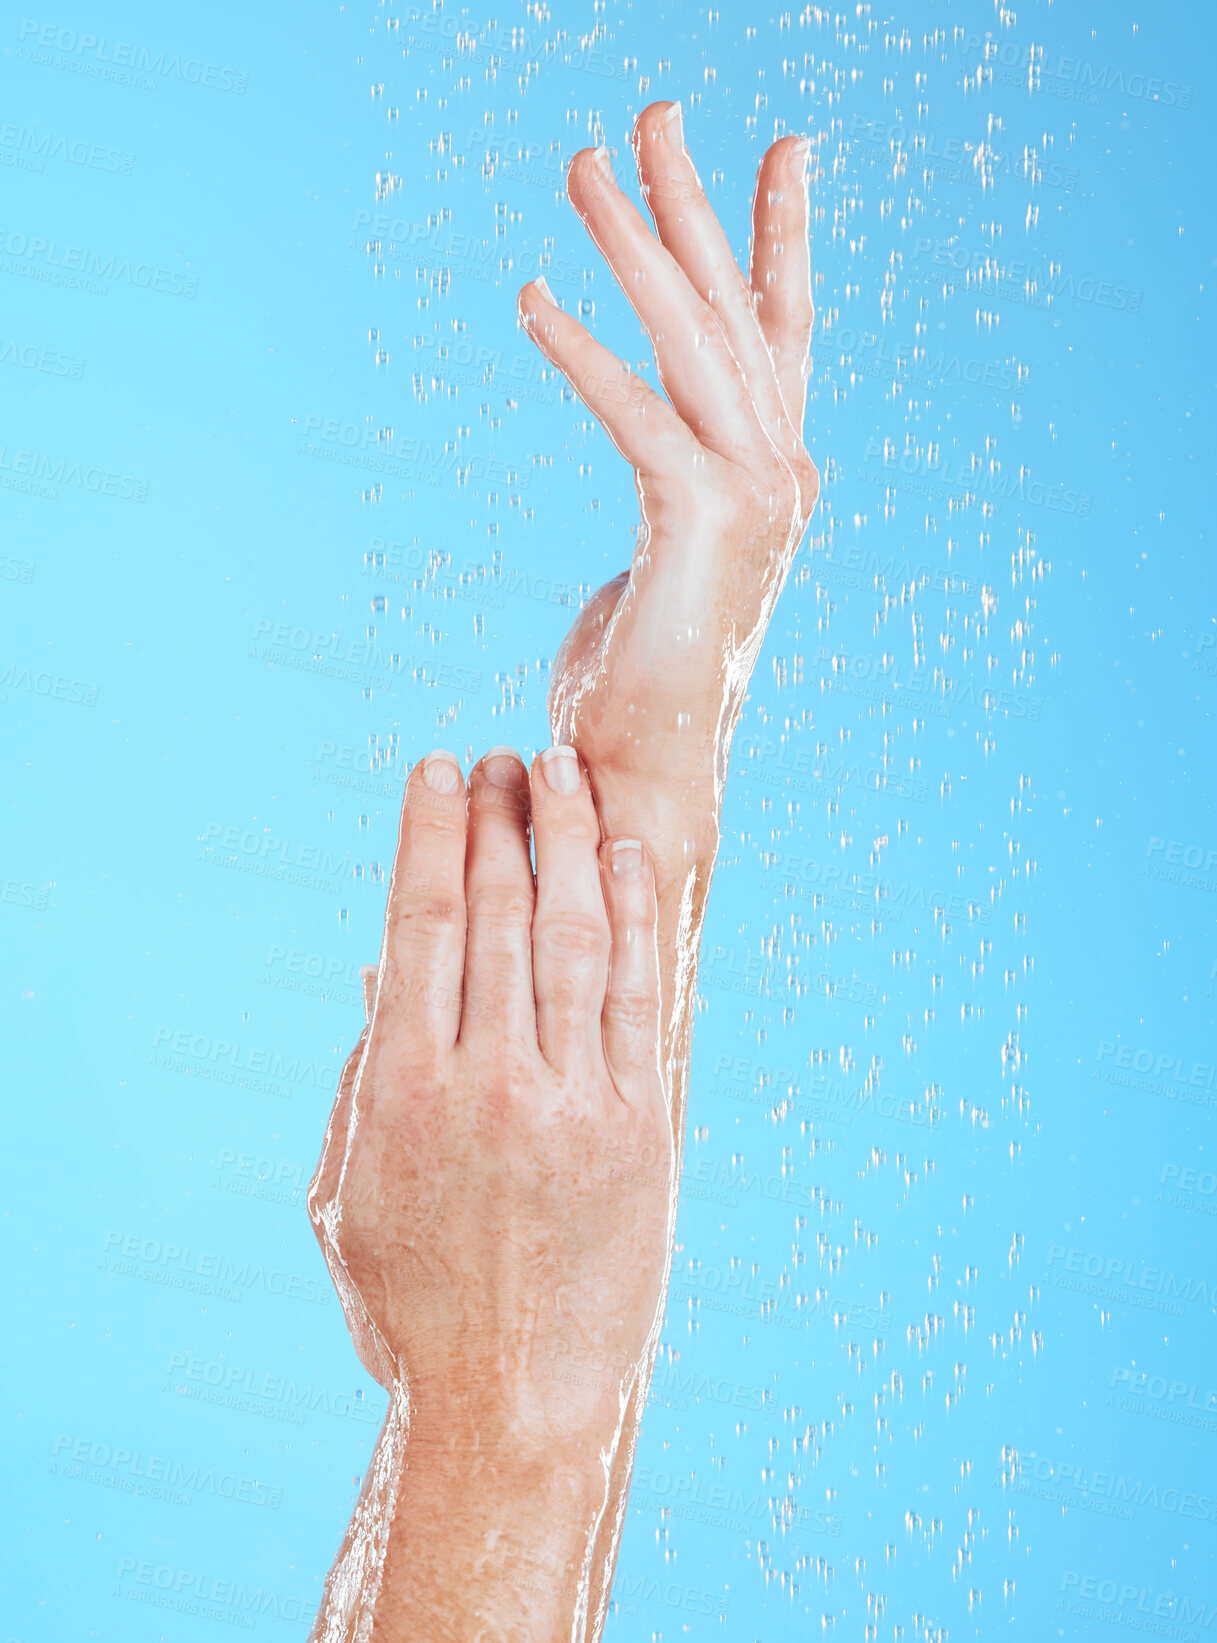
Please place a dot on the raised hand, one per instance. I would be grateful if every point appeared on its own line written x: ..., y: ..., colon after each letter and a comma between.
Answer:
x: 494, y: 1199
x: 649, y: 682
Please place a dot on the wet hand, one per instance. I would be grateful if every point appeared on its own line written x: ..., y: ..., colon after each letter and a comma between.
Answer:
x: 493, y: 1194
x: 651, y: 678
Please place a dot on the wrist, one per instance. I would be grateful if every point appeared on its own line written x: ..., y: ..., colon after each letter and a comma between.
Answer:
x: 487, y: 1541
x: 675, y: 817
x: 519, y: 1428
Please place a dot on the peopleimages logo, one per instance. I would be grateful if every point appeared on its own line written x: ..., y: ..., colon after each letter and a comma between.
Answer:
x: 968, y: 476
x: 233, y: 1056
x: 235, y: 1387
x: 48, y: 145
x: 102, y: 58
x: 59, y: 685
x: 930, y: 147
x: 204, y: 1271
x: 1122, y: 1601
x: 348, y: 442
x: 266, y: 846
x: 889, y: 899
x: 1163, y: 1064
x: 1077, y: 1484
x: 1111, y: 1276
x: 1188, y: 1188
x: 77, y: 266
x: 160, y: 1476
x: 888, y: 571
x: 1170, y: 1392
x: 643, y: 1589
x: 468, y: 255
x: 39, y: 474
x: 1027, y: 61
x: 1166, y: 856
x: 720, y: 1506
x: 188, y: 1589
x: 29, y: 356
x: 1033, y: 284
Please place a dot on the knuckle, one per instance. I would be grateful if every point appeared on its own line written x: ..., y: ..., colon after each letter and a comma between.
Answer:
x: 635, y: 1012
x: 777, y: 490
x: 655, y: 1134
x: 573, y: 938
x: 501, y: 906
x: 429, y: 913
x: 442, y: 814
x: 515, y: 1080
x: 576, y: 822
x: 708, y: 323
x: 317, y: 1201
x: 808, y: 477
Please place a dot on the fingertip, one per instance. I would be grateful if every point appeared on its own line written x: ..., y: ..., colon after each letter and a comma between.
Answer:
x: 558, y: 770
x: 577, y: 167
x: 439, y: 772
x: 792, y: 159
x: 591, y: 173
x: 656, y: 119
x: 534, y: 296
x: 499, y: 783
x: 368, y: 977
x: 629, y: 881
x: 625, y: 859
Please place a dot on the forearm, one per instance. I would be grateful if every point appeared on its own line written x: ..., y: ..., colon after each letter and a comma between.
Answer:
x: 460, y: 1538
x: 682, y: 834
x: 683, y: 843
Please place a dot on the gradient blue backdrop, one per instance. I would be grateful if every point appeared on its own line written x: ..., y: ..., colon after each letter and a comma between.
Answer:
x: 288, y: 499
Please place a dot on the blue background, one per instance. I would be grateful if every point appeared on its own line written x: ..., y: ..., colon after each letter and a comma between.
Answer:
x: 288, y: 499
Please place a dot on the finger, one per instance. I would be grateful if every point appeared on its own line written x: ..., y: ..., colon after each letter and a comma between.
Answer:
x: 687, y: 225
x: 570, y: 928
x: 367, y: 979
x: 780, y: 273
x: 699, y: 373
x: 630, y: 1019
x: 498, y: 996
x: 424, y: 947
x: 640, y: 422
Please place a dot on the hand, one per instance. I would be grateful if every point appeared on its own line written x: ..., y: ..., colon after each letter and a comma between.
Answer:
x: 650, y: 680
x: 494, y: 1194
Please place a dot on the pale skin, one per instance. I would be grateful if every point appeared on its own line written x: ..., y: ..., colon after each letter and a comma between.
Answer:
x: 502, y: 1257
x: 509, y: 1129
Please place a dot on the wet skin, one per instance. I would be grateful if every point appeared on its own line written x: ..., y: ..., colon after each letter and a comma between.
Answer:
x: 651, y: 678
x: 494, y: 1200
x: 647, y: 687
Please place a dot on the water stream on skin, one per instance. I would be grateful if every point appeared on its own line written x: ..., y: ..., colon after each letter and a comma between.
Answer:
x: 289, y: 499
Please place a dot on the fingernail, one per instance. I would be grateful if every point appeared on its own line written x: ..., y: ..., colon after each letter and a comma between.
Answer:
x: 561, y: 767
x: 672, y: 120
x: 368, y: 976
x: 604, y: 164
x: 626, y: 858
x: 441, y: 772
x: 543, y: 287
x: 502, y: 768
